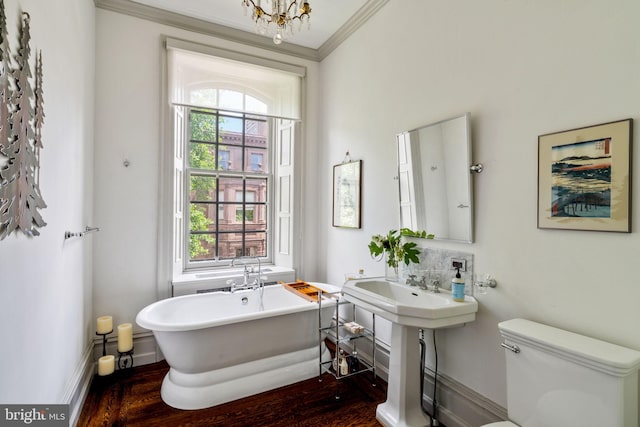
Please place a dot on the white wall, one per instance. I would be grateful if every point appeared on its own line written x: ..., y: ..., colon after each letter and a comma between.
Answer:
x: 129, y: 82
x: 46, y: 323
x: 522, y: 69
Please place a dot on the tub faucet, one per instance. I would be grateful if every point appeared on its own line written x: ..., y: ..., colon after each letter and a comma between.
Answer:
x: 247, y: 271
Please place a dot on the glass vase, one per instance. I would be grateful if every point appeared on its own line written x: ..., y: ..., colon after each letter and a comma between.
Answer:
x: 391, y: 274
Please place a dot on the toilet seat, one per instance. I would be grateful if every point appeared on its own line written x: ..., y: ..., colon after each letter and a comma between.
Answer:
x: 501, y: 424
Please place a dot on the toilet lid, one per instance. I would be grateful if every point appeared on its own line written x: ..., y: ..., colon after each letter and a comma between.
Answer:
x: 501, y: 424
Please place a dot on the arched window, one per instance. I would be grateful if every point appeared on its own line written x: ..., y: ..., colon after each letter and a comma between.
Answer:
x: 228, y: 116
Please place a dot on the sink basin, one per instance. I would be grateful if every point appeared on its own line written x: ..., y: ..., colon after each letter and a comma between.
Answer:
x: 410, y: 306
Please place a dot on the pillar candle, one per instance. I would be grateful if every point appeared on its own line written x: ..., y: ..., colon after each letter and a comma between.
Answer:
x: 125, y: 337
x: 106, y: 365
x: 104, y: 324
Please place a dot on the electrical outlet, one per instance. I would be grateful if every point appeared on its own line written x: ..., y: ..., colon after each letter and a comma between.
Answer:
x: 459, y: 263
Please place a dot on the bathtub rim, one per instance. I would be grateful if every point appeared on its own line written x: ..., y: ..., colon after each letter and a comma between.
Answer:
x: 142, y: 318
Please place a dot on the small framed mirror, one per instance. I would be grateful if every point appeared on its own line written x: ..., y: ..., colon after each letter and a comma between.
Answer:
x: 435, y: 179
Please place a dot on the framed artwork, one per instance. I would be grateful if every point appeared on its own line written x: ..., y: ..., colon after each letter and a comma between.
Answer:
x: 347, y: 194
x: 584, y: 178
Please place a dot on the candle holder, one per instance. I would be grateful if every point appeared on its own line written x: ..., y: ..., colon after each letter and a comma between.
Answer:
x: 104, y: 341
x: 128, y: 357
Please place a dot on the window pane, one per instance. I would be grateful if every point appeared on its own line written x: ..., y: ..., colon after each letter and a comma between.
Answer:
x: 256, y: 244
x: 258, y: 186
x: 230, y: 245
x: 233, y: 214
x: 232, y: 124
x: 256, y: 218
x: 256, y: 160
x: 230, y: 158
x: 228, y: 187
x: 203, y: 126
x: 202, y: 216
x: 256, y: 133
x: 202, y: 156
x: 203, y: 188
x: 202, y: 247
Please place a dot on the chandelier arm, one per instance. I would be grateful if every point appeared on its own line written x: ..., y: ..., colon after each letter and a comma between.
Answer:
x: 293, y: 3
x: 281, y: 17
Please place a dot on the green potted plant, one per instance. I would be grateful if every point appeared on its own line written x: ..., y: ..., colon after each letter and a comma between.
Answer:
x: 392, y: 247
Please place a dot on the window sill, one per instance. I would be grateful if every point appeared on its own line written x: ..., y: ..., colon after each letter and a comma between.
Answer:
x: 206, y: 280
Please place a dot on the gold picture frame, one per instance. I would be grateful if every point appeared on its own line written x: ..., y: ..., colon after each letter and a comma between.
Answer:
x: 584, y: 178
x: 347, y: 194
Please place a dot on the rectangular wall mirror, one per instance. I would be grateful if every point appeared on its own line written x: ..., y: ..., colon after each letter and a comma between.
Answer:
x: 435, y: 181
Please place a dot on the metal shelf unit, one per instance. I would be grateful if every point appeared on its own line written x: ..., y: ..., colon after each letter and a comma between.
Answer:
x: 343, y: 340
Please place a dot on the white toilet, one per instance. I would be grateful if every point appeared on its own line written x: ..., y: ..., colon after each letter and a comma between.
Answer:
x: 557, y: 378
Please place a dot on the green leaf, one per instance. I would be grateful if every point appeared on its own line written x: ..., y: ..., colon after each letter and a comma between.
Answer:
x: 374, y: 249
x: 391, y: 244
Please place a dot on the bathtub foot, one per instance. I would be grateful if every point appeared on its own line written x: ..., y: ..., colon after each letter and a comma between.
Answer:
x: 203, y: 390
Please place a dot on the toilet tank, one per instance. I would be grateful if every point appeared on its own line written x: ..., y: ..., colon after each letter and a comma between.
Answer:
x: 559, y: 378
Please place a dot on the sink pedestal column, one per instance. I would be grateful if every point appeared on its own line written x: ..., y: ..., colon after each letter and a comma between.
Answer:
x: 403, y: 405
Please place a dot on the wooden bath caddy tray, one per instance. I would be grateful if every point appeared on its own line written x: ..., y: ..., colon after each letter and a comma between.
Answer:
x: 304, y: 289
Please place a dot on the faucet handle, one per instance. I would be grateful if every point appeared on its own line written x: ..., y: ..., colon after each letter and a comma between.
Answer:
x: 411, y: 280
x: 436, y: 285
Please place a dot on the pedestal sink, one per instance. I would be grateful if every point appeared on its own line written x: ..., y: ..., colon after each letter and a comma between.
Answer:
x: 409, y: 309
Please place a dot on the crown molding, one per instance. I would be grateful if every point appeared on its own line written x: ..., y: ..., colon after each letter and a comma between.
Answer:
x: 188, y: 23
x: 357, y: 20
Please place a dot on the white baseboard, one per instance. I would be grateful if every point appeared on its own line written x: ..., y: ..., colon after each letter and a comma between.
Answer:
x: 78, y: 387
x: 144, y: 344
x: 460, y: 406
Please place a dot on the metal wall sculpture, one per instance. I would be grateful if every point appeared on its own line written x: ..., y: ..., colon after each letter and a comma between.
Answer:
x: 21, y: 120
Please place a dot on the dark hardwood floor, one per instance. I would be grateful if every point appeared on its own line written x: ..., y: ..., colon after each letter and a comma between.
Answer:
x: 132, y: 398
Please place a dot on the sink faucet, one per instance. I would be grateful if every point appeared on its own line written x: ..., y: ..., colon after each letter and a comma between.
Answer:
x: 247, y: 271
x: 414, y: 281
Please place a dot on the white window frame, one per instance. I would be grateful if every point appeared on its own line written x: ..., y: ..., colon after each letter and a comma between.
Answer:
x: 188, y: 264
x: 286, y: 250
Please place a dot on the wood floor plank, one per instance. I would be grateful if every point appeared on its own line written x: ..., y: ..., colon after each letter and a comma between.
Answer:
x: 132, y: 398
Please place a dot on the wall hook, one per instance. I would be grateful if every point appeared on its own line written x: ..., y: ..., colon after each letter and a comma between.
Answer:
x: 347, y: 157
x: 477, y: 168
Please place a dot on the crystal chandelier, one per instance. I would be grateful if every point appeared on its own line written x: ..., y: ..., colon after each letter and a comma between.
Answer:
x: 283, y: 14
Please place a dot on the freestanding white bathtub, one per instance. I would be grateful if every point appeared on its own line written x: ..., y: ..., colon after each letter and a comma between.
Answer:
x: 223, y: 346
